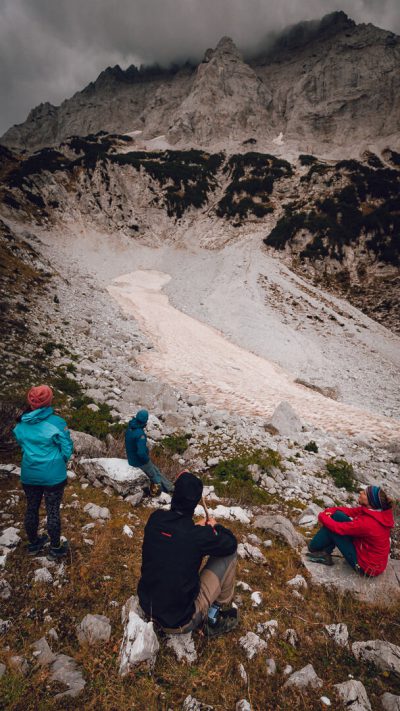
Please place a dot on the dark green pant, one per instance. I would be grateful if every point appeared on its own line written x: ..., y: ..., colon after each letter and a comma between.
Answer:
x: 327, y: 540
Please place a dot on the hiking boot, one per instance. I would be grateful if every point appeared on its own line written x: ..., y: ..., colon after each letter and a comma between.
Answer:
x: 227, y: 621
x: 33, y: 548
x: 322, y: 557
x: 155, y: 490
x: 56, y: 552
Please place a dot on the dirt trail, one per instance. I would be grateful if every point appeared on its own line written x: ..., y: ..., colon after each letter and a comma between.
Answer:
x: 195, y: 357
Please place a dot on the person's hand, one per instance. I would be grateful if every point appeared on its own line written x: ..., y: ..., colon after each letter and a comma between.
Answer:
x: 328, y: 513
x: 211, y: 522
x: 204, y: 522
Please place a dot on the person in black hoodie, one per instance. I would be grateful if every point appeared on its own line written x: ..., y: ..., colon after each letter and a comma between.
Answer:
x: 171, y: 590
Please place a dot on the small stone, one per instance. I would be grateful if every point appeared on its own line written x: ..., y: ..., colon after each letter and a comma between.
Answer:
x: 52, y: 634
x: 19, y: 664
x: 390, y: 702
x: 65, y: 670
x: 97, y: 512
x: 192, y: 704
x: 303, y: 678
x: 287, y: 670
x: 269, y: 628
x: 2, y: 669
x: 243, y: 705
x: 183, y: 647
x: 93, y: 629
x: 292, y: 637
x: 244, y: 586
x: 252, y: 644
x: 271, y: 666
x: 242, y: 673
x: 256, y: 599
x: 5, y: 626
x: 5, y: 590
x: 298, y: 582
x: 10, y: 538
x: 42, y: 575
x: 127, y: 531
x: 44, y: 655
x: 338, y: 633
x: 353, y: 695
x: 325, y: 701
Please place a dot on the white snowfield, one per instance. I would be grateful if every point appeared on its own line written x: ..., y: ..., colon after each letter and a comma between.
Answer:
x: 192, y: 355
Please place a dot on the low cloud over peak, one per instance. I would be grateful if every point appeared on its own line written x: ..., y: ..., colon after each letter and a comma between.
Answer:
x: 49, y: 50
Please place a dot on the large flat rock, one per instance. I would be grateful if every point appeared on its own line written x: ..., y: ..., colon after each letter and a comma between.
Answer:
x: 384, y: 589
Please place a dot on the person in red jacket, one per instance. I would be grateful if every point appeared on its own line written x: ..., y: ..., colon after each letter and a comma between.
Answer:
x: 362, y: 534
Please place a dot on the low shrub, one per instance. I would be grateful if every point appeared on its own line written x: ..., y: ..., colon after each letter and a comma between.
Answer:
x: 311, y: 447
x: 99, y: 424
x: 342, y: 473
x: 67, y: 385
x: 232, y: 479
x: 174, y: 444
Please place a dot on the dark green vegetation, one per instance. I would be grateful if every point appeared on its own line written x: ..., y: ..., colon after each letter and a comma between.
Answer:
x: 342, y: 473
x: 368, y: 206
x: 311, y: 447
x: 99, y: 423
x: 252, y: 181
x: 232, y: 478
x: 186, y: 177
x: 172, y: 444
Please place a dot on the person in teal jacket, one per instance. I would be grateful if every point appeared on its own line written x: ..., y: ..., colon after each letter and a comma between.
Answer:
x: 137, y: 453
x: 46, y: 447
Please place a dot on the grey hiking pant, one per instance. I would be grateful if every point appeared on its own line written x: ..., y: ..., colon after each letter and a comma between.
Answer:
x: 217, y: 584
x: 156, y: 477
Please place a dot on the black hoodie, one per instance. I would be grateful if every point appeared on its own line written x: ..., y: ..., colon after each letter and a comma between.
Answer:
x: 173, y: 549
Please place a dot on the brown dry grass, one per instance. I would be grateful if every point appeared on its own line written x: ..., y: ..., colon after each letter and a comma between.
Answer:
x: 214, y: 678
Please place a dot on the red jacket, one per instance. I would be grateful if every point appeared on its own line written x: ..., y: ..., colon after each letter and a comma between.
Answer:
x: 370, y: 531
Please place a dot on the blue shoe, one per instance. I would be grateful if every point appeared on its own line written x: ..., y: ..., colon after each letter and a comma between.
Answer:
x: 34, y: 548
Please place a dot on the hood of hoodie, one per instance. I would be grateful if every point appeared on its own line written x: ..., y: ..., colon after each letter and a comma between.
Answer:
x: 385, y: 518
x: 135, y: 425
x: 30, y: 418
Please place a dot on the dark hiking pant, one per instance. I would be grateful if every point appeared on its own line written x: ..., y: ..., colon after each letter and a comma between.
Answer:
x: 52, y: 500
x: 327, y: 540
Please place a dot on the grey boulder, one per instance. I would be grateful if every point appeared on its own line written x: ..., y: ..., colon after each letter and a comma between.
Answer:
x: 304, y: 678
x: 85, y: 445
x: 64, y: 669
x: 93, y: 629
x: 285, y: 421
x: 390, y: 702
x: 385, y: 655
x: 280, y: 526
x: 353, y: 695
x: 116, y: 473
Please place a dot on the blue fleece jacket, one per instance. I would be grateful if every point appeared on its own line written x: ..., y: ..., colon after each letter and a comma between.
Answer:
x: 46, y: 447
x: 136, y: 444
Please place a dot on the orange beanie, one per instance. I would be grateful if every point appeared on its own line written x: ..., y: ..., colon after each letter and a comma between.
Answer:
x: 40, y: 396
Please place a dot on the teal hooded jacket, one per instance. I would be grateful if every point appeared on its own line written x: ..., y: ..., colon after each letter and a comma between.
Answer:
x: 46, y: 447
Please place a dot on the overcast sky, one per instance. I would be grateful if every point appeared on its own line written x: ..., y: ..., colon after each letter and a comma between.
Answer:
x: 51, y: 48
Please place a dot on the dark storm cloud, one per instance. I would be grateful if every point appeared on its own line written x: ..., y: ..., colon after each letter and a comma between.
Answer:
x: 51, y: 48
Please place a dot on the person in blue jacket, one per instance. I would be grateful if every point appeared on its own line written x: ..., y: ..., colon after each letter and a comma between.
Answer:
x: 138, y: 455
x: 46, y: 447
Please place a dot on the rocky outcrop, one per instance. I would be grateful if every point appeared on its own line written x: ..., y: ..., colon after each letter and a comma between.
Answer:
x: 323, y: 84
